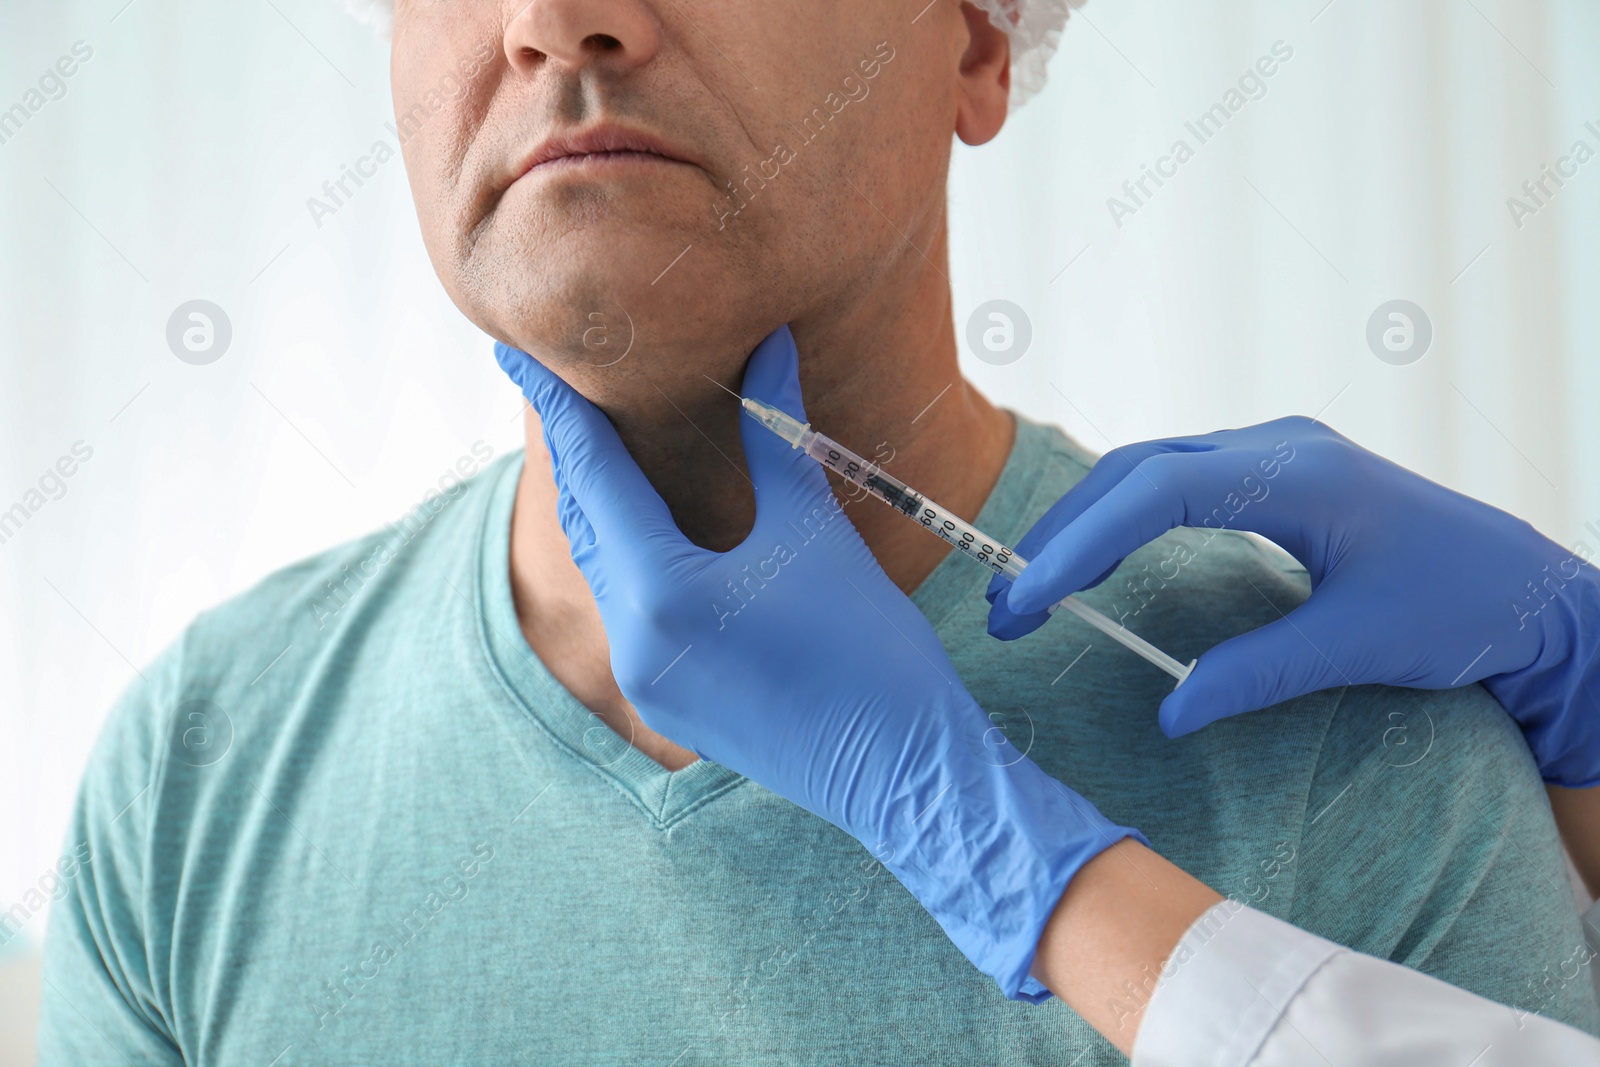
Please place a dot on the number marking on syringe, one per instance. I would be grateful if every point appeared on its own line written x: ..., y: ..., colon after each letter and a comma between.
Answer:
x: 967, y: 542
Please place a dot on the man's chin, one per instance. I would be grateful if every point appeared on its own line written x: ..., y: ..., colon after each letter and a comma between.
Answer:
x: 590, y: 309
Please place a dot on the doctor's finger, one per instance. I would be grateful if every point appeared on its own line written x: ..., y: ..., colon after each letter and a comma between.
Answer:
x: 1162, y: 492
x: 1109, y: 471
x: 590, y: 462
x: 787, y: 481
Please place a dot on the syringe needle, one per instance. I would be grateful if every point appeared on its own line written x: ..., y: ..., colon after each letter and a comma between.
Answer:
x: 724, y: 388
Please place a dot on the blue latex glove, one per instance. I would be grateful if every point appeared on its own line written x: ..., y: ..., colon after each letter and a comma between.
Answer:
x: 1413, y: 584
x: 795, y: 661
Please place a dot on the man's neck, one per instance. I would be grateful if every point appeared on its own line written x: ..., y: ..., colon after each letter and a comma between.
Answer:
x: 879, y: 375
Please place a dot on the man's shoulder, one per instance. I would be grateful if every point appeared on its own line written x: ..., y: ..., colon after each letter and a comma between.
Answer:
x: 1430, y: 802
x: 261, y: 643
x: 1194, y: 588
x: 314, y: 593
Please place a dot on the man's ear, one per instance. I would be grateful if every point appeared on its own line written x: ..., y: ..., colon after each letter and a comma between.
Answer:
x: 985, y: 86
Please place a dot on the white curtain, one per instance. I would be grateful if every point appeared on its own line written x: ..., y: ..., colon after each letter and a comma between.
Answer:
x: 174, y: 164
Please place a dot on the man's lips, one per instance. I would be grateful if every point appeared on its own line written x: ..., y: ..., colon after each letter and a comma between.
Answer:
x: 603, y: 144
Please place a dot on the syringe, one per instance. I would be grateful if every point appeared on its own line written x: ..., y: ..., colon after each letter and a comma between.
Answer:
x: 943, y: 523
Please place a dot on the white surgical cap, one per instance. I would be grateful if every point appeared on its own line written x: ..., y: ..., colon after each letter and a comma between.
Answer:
x: 1034, y: 27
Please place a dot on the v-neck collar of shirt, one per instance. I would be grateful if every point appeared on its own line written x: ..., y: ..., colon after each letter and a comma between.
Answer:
x: 666, y: 797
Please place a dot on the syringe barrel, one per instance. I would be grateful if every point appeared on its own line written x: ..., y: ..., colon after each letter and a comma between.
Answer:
x: 950, y: 527
x: 966, y: 538
x: 846, y: 464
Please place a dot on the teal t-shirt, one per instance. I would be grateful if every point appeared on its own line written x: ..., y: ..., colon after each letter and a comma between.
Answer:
x: 350, y: 818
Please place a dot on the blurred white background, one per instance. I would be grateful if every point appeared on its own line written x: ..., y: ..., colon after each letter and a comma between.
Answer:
x: 176, y: 162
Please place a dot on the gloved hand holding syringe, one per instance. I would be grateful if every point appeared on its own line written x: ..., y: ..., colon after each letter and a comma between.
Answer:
x: 892, y: 752
x: 954, y: 530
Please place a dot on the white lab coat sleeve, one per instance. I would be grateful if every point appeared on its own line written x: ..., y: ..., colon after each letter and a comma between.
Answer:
x: 1244, y: 989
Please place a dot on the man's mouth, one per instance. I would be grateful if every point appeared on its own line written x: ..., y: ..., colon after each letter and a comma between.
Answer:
x: 606, y: 145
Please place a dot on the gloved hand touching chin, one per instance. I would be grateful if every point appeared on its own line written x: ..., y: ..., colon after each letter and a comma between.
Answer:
x: 795, y: 661
x: 1412, y: 584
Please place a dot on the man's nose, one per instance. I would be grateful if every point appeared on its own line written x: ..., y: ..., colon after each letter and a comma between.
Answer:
x: 614, y: 34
